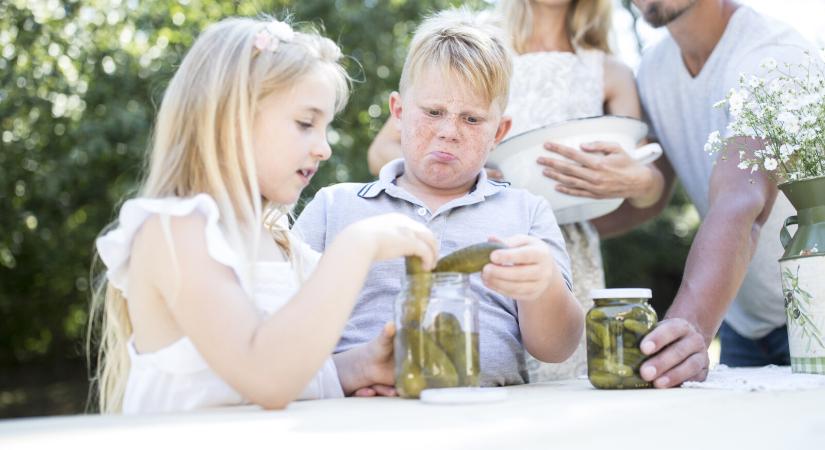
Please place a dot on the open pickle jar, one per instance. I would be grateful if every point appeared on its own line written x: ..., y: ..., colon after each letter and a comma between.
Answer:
x: 436, y: 345
x: 615, y: 326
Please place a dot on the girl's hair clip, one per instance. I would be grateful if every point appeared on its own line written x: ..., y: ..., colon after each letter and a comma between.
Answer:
x: 272, y: 35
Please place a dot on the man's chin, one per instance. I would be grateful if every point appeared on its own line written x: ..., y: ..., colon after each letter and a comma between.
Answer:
x: 655, y: 22
x: 656, y: 16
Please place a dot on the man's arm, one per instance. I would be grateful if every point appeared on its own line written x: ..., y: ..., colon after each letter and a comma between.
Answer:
x: 740, y: 203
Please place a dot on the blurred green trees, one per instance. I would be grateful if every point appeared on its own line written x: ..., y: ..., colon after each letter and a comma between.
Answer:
x: 79, y: 86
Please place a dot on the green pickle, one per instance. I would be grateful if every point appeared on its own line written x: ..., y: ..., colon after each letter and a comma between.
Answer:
x: 459, y: 346
x: 432, y: 347
x: 615, y: 327
x: 469, y: 259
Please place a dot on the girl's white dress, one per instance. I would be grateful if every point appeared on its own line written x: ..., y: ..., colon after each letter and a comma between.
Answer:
x: 545, y: 88
x: 176, y: 378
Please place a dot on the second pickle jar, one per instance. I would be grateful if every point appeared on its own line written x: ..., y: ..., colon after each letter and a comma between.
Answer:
x: 436, y: 345
x: 615, y: 326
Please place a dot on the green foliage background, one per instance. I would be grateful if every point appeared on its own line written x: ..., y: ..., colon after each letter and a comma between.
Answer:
x: 79, y: 86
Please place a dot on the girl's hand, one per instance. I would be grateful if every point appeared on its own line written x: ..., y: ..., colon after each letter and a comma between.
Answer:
x: 600, y: 170
x: 394, y: 235
x: 523, y: 271
x: 369, y: 369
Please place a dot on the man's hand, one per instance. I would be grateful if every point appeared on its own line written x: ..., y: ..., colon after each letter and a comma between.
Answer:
x: 679, y: 354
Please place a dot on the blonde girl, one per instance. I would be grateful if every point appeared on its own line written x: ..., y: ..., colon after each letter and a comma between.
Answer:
x: 208, y: 299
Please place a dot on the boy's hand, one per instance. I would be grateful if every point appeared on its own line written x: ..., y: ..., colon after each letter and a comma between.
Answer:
x: 376, y: 390
x: 369, y: 369
x: 523, y: 271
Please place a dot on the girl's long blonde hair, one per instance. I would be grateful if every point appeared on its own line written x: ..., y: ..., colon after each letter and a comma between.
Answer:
x: 588, y: 23
x: 202, y: 144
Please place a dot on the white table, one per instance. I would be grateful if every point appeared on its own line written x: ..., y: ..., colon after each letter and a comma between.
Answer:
x: 569, y: 414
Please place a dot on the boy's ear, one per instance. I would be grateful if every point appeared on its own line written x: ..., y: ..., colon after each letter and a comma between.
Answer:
x: 395, y: 105
x: 503, y: 128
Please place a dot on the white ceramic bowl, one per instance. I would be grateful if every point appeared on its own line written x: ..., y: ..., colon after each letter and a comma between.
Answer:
x: 516, y: 158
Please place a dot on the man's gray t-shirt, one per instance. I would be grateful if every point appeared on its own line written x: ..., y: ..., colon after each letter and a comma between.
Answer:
x: 680, y: 108
x: 490, y: 209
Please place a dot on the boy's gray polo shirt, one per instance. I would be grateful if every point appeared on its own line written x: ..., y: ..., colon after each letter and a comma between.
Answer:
x: 490, y: 209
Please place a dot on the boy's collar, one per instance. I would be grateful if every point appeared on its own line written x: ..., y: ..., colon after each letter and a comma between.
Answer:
x: 395, y: 168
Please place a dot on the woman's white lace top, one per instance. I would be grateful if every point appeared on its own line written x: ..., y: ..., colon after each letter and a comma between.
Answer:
x: 550, y: 87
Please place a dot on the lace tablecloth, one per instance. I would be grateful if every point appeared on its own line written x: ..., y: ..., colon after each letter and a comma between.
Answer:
x: 768, y: 378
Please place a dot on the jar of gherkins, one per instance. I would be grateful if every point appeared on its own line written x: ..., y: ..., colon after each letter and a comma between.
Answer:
x: 436, y: 345
x: 615, y: 326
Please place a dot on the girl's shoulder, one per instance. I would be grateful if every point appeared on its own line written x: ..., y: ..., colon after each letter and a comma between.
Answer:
x: 195, y: 218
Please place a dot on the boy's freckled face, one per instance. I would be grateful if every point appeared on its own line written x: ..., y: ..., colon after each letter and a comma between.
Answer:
x: 447, y: 130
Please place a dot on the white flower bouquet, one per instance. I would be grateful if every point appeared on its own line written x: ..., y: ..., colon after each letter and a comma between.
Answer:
x: 786, y: 112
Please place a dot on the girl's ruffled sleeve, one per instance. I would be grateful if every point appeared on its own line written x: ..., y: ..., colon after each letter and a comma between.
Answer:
x: 115, y: 247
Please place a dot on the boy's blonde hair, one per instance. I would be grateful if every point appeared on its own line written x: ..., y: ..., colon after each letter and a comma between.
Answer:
x: 588, y: 23
x: 202, y: 143
x: 465, y: 44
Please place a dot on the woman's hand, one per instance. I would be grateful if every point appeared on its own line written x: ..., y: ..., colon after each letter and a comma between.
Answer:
x: 601, y: 170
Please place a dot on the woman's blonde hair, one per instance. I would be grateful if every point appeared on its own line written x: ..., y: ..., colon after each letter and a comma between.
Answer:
x: 588, y: 23
x: 202, y: 144
x: 463, y: 43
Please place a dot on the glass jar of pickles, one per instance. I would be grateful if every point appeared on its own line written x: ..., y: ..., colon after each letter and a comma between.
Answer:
x: 436, y: 345
x: 615, y: 326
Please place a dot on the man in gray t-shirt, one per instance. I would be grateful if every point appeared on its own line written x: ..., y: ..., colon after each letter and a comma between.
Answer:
x: 732, y: 268
x: 679, y: 105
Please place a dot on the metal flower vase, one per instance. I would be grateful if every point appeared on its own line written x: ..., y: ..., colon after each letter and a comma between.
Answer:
x: 803, y: 274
